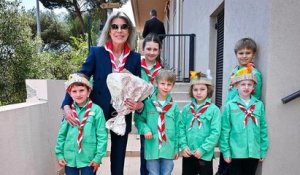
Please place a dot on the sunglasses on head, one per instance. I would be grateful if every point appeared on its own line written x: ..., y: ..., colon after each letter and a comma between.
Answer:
x: 121, y: 27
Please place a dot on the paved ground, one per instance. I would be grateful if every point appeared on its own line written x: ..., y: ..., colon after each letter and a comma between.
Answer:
x: 132, y: 165
x: 132, y: 162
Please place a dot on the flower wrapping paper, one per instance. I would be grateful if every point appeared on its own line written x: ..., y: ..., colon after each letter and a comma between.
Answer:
x: 124, y: 86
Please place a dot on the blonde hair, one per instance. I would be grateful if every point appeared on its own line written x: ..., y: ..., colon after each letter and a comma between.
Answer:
x: 104, y: 37
x: 167, y: 75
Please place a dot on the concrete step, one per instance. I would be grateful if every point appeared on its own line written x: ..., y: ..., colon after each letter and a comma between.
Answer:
x: 181, y: 87
x: 133, y: 144
x: 132, y: 166
x: 180, y: 96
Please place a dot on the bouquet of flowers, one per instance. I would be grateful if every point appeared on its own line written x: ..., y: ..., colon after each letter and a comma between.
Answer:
x: 124, y: 86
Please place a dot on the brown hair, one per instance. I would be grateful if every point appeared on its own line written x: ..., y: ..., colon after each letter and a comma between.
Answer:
x: 154, y: 38
x: 210, y: 90
x: 243, y: 43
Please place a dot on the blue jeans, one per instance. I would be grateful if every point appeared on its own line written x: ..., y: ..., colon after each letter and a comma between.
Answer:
x: 160, y: 166
x: 75, y: 171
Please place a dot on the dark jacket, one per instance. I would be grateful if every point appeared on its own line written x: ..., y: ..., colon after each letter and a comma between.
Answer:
x: 98, y: 65
x: 154, y: 25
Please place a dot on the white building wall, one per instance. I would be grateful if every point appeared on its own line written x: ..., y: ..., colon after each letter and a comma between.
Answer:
x: 196, y: 19
x: 282, y: 78
x: 28, y: 131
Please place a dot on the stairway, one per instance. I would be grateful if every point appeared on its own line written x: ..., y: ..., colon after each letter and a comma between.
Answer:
x: 180, y: 94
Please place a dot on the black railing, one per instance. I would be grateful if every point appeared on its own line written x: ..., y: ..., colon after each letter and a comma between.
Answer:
x: 290, y: 97
x: 178, y: 54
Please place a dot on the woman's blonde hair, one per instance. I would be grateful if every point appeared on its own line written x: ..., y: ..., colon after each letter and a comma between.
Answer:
x: 104, y: 37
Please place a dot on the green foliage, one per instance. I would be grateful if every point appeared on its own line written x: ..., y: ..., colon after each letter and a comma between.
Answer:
x: 19, y: 59
x: 17, y: 48
x: 54, y: 31
x: 79, y: 8
x: 59, y: 65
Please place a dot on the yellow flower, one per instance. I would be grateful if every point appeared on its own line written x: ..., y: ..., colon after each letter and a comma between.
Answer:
x: 193, y: 75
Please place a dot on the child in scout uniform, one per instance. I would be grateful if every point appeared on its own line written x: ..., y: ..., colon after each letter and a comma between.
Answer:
x: 244, y: 135
x: 245, y: 52
x: 159, y: 123
x: 80, y: 148
x: 150, y: 64
x: 200, y: 127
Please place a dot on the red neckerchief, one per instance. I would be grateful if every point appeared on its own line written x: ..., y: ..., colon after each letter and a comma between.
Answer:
x: 80, y: 125
x: 248, y: 114
x: 157, y: 67
x: 161, y: 120
x: 196, y: 115
x: 108, y: 47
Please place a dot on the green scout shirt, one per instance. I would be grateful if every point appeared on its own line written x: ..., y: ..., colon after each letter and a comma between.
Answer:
x: 148, y: 121
x: 232, y: 92
x: 94, y: 141
x: 145, y: 76
x: 237, y: 141
x: 205, y: 138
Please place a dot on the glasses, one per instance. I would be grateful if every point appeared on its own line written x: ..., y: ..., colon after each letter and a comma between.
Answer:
x: 119, y: 27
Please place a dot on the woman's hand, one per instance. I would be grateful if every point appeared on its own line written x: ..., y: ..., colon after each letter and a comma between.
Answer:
x: 227, y: 160
x: 94, y: 165
x: 62, y: 163
x: 133, y: 106
x: 186, y: 152
x: 148, y: 135
x: 69, y: 115
x: 197, y: 154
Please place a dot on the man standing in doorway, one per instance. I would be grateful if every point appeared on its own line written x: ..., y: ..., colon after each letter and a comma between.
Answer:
x: 154, y: 25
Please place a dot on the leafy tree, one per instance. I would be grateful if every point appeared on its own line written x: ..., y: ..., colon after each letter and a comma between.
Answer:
x: 55, y: 32
x: 79, y: 7
x: 17, y: 49
x: 59, y: 65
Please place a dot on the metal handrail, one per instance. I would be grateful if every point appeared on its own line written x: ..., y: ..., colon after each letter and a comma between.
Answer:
x: 179, y: 54
x: 290, y: 97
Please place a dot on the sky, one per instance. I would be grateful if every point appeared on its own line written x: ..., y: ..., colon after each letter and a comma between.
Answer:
x: 29, y: 4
